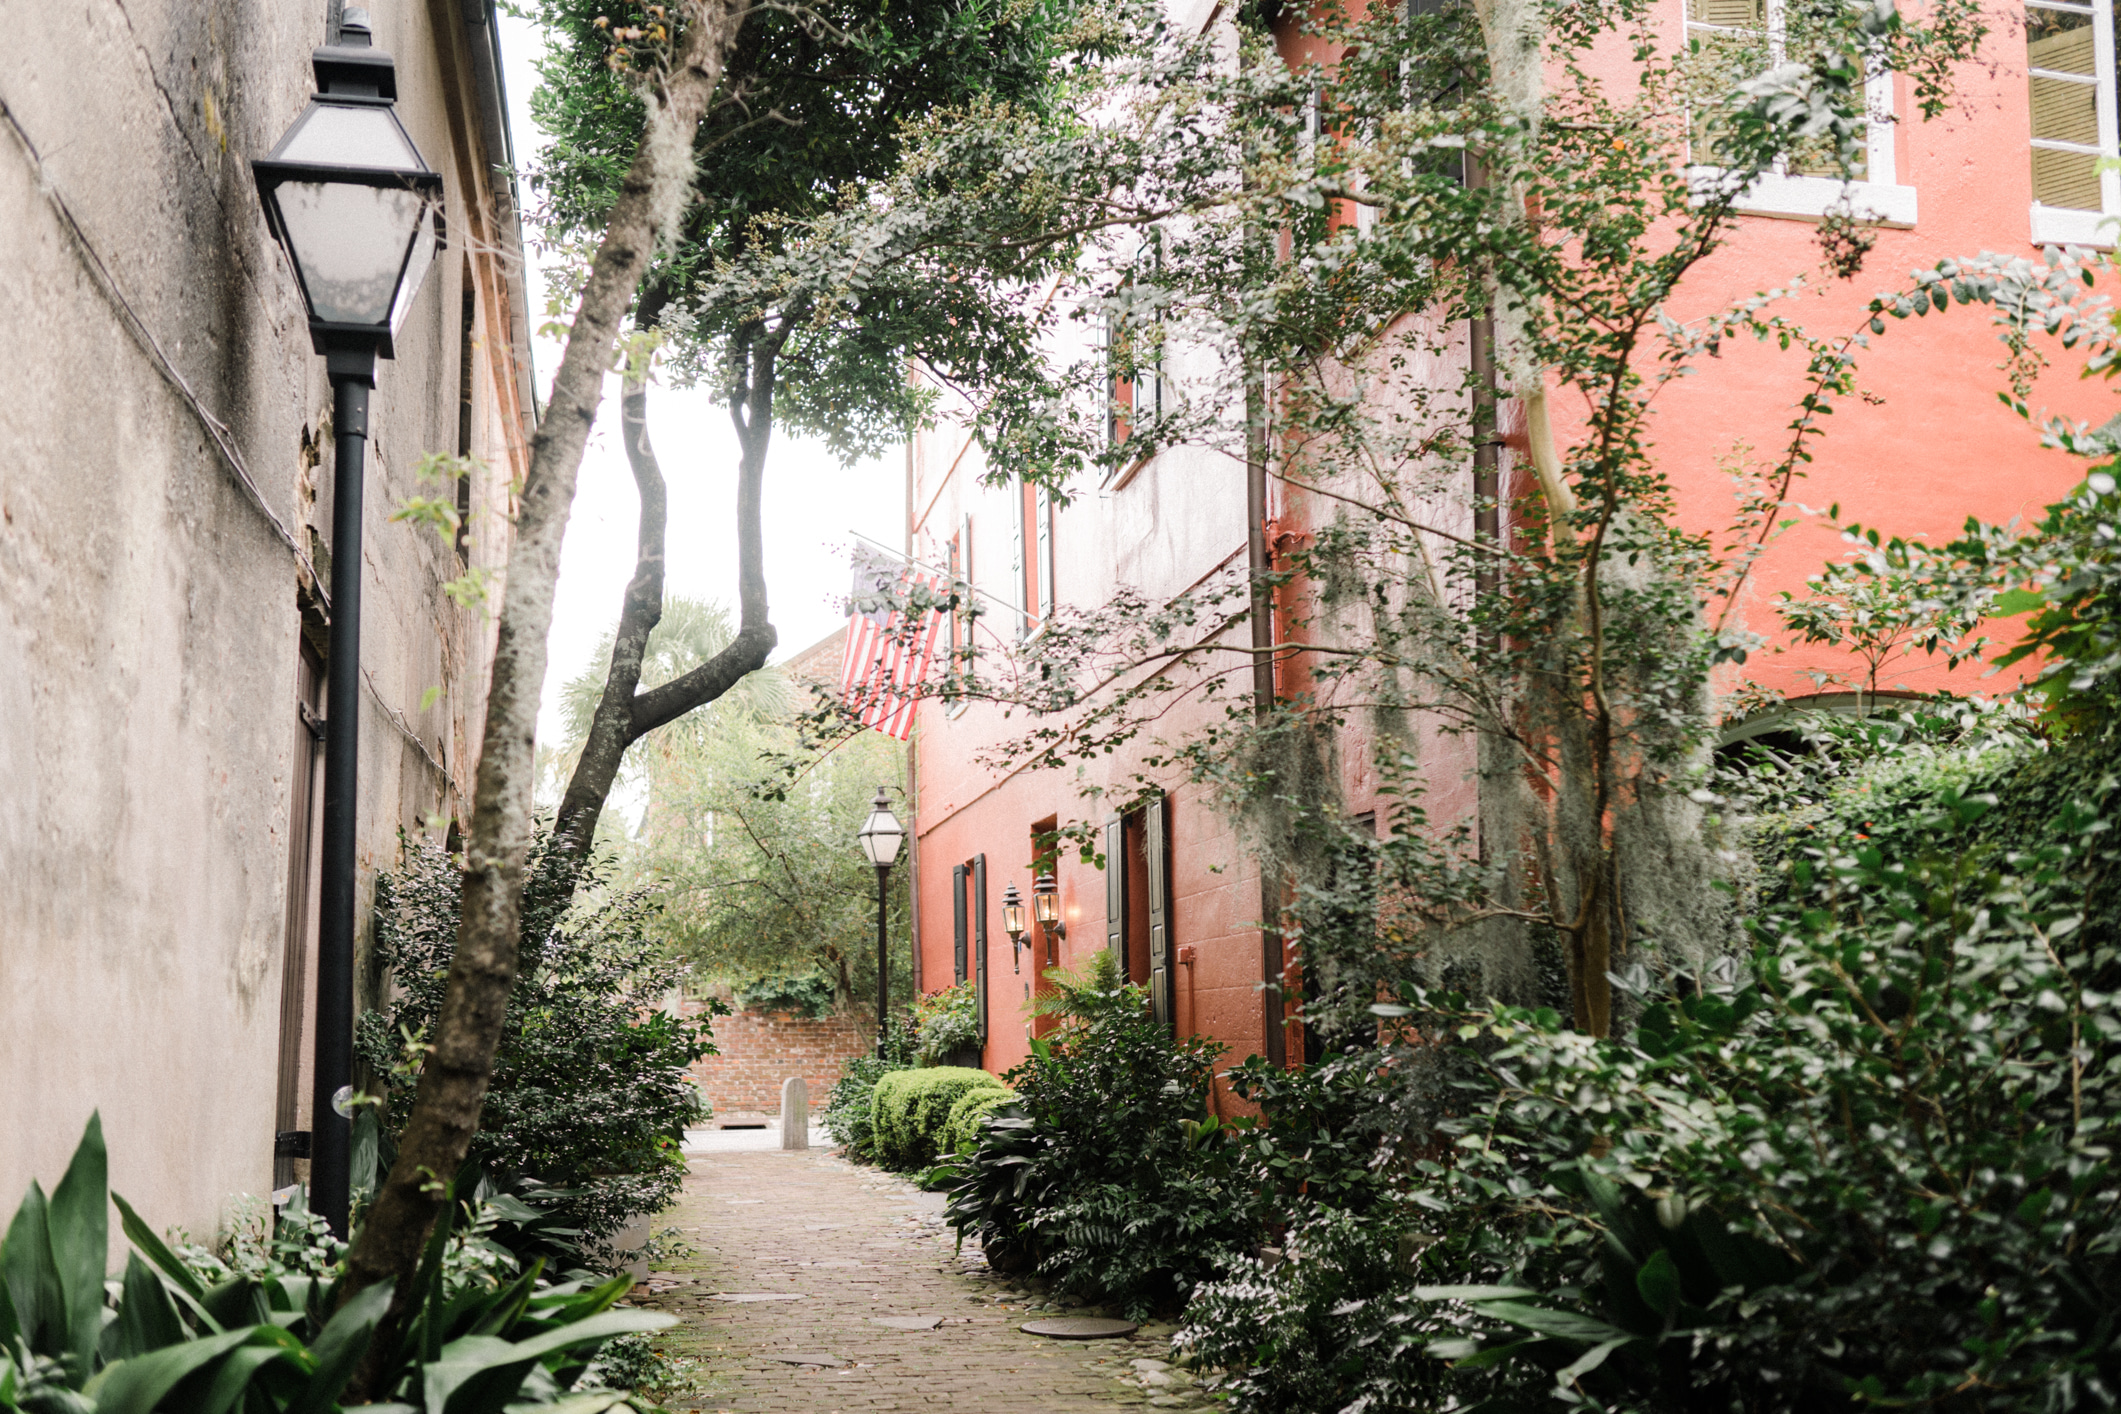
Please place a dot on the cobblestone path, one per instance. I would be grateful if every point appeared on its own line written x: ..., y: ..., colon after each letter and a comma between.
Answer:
x: 797, y: 1255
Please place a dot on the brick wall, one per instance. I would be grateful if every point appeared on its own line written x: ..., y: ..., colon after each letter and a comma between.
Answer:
x: 759, y: 1052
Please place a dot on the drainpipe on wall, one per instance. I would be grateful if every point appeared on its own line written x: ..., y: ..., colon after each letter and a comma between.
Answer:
x: 482, y: 38
x: 913, y: 799
x: 1487, y: 493
x: 1258, y: 565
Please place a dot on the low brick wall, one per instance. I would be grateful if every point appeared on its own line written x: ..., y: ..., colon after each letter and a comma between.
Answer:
x: 759, y: 1052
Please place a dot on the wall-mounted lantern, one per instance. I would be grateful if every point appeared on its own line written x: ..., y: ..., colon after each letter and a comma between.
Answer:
x: 1045, y: 897
x: 1013, y: 925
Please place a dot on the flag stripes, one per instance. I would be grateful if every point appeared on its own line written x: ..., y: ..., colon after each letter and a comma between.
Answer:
x: 886, y: 659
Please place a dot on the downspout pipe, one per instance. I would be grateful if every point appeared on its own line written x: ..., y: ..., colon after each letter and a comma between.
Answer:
x: 482, y: 40
x: 1259, y: 565
x: 353, y: 376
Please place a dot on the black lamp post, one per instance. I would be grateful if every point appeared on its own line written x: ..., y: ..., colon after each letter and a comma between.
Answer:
x: 1013, y: 925
x: 359, y: 214
x: 881, y: 836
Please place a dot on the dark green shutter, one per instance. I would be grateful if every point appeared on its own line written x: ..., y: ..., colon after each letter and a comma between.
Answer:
x: 979, y: 939
x: 1116, y: 890
x: 1154, y: 847
x: 957, y: 916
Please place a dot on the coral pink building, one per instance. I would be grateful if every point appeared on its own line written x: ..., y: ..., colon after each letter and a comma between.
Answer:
x: 1925, y: 444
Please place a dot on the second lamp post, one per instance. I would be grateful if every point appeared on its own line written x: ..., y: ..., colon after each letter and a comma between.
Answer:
x: 881, y: 835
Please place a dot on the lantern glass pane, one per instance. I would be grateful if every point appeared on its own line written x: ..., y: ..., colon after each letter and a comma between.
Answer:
x: 423, y: 256
x: 880, y: 837
x: 349, y: 243
x: 345, y: 135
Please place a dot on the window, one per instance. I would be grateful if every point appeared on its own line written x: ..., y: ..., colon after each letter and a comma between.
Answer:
x: 968, y: 922
x: 1729, y: 40
x: 1135, y: 386
x: 2069, y: 61
x: 1033, y: 571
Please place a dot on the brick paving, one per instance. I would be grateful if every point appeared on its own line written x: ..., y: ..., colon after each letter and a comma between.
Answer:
x: 850, y: 1244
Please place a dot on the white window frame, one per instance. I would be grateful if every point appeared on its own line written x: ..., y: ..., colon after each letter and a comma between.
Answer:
x: 2063, y: 225
x: 1879, y: 197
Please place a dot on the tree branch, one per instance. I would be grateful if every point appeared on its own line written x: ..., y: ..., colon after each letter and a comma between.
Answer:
x: 482, y: 970
x: 611, y: 729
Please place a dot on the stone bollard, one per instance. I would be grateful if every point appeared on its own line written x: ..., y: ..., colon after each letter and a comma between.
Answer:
x: 795, y: 1113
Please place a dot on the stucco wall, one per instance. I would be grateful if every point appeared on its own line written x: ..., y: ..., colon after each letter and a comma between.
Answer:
x: 148, y: 610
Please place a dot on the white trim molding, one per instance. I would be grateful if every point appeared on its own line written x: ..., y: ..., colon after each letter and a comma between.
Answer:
x: 2060, y: 225
x: 1810, y: 198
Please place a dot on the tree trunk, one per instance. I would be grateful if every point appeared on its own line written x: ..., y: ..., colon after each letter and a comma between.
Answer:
x: 453, y: 1083
x: 624, y: 713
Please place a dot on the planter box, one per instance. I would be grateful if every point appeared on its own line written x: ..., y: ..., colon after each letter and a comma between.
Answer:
x: 966, y: 1056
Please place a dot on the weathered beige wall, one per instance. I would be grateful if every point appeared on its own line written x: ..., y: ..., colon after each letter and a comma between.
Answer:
x: 148, y: 611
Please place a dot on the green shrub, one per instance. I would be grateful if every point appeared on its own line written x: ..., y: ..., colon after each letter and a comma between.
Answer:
x: 961, y: 1131
x: 591, y: 1088
x: 912, y: 1107
x: 1871, y: 1163
x: 809, y: 995
x: 1106, y: 1171
x: 945, y: 1022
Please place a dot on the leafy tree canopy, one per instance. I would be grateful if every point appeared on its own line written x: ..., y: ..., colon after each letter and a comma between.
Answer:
x: 815, y: 103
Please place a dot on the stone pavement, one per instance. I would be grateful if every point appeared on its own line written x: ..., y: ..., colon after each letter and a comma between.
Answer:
x: 796, y: 1256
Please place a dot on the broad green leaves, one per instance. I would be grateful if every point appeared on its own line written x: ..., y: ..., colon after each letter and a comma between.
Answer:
x: 280, y: 1345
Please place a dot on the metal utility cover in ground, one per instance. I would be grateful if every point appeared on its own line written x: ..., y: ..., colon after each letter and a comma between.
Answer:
x: 1079, y: 1328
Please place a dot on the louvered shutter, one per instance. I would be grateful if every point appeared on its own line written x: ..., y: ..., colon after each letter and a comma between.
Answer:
x: 1045, y: 601
x: 1116, y: 890
x: 979, y: 940
x: 957, y: 916
x: 1154, y: 836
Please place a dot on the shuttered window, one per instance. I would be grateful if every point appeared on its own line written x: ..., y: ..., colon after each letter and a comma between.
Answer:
x: 1730, y: 41
x: 1138, y: 846
x: 2070, y: 74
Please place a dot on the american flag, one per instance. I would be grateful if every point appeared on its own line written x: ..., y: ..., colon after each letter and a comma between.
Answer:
x: 886, y: 656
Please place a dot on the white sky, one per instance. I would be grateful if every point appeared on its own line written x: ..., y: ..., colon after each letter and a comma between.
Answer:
x: 811, y: 502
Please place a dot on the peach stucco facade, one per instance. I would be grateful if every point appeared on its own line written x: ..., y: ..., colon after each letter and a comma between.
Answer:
x: 1922, y: 445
